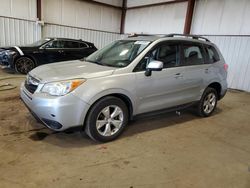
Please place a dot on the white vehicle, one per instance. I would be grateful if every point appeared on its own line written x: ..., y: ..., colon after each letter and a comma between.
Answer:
x: 128, y: 77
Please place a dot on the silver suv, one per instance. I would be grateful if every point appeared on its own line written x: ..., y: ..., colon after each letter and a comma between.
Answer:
x: 128, y: 77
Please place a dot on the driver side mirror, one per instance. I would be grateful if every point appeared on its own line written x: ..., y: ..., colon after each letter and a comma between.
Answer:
x: 153, y: 66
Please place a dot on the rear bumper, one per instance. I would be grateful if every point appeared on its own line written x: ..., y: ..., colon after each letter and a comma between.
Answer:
x: 56, y: 113
x: 222, y: 94
x: 223, y: 89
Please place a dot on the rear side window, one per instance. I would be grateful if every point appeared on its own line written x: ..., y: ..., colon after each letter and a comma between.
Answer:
x: 71, y: 44
x: 83, y: 45
x: 212, y: 54
x: 193, y: 54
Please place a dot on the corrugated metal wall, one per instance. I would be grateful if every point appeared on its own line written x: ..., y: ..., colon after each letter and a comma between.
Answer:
x: 82, y: 20
x: 168, y: 18
x: 221, y: 20
x: 83, y: 14
x: 133, y: 3
x: 17, y: 22
x: 235, y: 50
x: 230, y: 18
x: 99, y: 38
x: 18, y: 32
x: 63, y: 18
x: 117, y: 3
x: 224, y: 17
x: 23, y: 9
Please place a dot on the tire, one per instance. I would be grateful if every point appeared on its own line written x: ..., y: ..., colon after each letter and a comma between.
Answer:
x: 24, y: 64
x: 208, y: 102
x: 100, y: 125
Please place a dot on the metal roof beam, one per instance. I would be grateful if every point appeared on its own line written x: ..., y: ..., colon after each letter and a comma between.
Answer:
x: 156, y: 4
x: 189, y: 16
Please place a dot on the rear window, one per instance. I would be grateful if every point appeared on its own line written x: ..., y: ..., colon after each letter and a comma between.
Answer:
x: 71, y: 44
x: 83, y: 45
x: 212, y: 54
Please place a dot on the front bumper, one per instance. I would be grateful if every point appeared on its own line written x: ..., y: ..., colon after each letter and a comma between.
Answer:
x: 6, y: 60
x: 56, y: 113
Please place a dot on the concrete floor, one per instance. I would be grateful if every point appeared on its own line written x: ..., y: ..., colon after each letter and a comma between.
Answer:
x: 162, y: 151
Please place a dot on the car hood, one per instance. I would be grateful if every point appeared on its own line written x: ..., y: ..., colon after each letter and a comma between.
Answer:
x: 27, y: 47
x: 24, y: 48
x: 70, y: 70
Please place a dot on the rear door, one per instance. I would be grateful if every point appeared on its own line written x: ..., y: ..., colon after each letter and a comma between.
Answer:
x: 72, y: 50
x: 214, y: 67
x: 86, y: 49
x: 195, y: 69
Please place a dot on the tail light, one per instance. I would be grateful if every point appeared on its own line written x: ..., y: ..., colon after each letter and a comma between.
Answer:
x: 225, y: 67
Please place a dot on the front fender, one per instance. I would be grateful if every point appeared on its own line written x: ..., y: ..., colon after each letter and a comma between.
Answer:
x: 112, y: 92
x: 97, y: 88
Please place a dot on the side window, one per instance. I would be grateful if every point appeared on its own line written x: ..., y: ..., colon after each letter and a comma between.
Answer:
x: 212, y: 54
x: 83, y: 45
x: 71, y: 44
x: 193, y: 54
x: 167, y: 53
x: 55, y: 44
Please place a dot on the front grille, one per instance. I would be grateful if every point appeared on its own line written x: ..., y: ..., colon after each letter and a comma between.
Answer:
x: 31, y: 88
x: 31, y: 84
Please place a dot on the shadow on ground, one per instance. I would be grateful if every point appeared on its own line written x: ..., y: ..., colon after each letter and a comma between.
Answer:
x: 75, y: 139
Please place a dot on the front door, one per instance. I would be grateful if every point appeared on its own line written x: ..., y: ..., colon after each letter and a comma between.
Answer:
x: 163, y: 89
x: 54, y: 51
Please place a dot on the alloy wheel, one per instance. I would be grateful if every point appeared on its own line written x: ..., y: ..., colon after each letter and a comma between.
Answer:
x: 109, y: 120
x: 24, y: 65
x: 209, y: 103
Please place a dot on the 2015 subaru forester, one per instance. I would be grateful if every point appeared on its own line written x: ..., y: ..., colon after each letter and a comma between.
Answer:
x: 128, y: 77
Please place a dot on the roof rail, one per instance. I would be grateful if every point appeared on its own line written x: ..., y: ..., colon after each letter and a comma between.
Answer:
x: 142, y: 35
x: 197, y: 37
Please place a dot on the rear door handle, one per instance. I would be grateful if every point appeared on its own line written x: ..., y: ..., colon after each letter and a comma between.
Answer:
x: 207, y: 71
x: 60, y: 51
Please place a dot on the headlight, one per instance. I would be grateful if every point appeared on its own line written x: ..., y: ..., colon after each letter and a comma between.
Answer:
x: 62, y: 87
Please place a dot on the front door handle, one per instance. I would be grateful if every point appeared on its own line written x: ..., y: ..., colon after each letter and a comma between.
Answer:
x: 207, y: 71
x: 60, y: 51
x: 178, y: 75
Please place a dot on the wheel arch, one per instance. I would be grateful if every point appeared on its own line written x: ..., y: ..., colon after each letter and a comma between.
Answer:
x: 217, y: 86
x: 25, y: 55
x: 126, y: 99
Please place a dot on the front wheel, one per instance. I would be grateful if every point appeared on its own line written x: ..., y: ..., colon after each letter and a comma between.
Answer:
x: 24, y: 64
x: 106, y: 119
x: 208, y: 102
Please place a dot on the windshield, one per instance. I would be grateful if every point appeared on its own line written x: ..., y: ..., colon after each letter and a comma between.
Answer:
x: 39, y: 42
x: 119, y: 53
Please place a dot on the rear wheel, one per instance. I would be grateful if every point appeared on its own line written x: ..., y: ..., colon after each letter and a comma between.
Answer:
x: 208, y: 102
x: 24, y: 64
x: 106, y: 119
